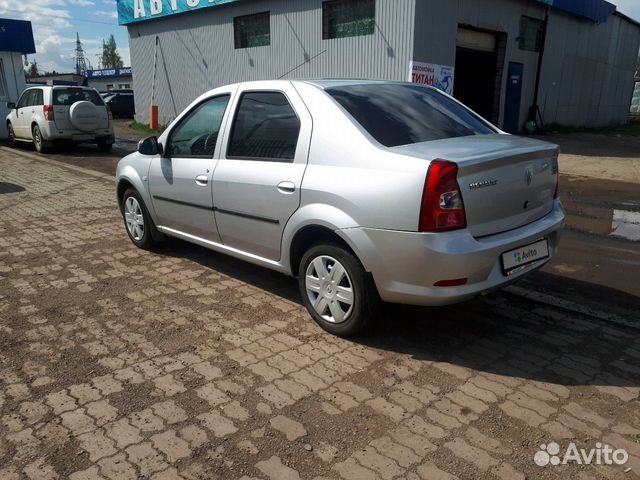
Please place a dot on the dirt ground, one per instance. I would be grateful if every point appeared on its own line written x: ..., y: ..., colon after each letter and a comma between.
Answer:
x: 118, y: 363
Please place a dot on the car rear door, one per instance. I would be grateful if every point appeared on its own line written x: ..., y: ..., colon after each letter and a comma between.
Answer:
x: 256, y: 184
x: 180, y: 178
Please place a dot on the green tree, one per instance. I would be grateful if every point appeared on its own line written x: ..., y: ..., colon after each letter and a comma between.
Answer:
x: 110, y: 56
x: 32, y: 71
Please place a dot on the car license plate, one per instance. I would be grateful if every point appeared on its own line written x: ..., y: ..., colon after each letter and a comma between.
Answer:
x: 514, y: 259
x: 82, y: 138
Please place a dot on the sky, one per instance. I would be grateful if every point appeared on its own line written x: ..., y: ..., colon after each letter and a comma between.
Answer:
x: 55, y: 23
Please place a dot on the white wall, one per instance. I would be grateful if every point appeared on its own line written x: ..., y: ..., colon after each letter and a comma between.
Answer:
x: 13, y: 73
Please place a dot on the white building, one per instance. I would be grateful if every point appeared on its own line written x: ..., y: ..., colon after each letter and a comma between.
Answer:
x: 573, y: 59
x: 16, y: 40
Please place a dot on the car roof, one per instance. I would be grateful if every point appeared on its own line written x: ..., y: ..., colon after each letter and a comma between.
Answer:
x: 344, y: 82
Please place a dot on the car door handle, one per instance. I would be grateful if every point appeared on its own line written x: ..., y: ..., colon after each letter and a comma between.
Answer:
x: 286, y: 187
x: 202, y: 180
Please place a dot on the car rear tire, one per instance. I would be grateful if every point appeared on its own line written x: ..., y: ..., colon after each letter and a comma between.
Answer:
x: 104, y: 146
x: 12, y: 135
x: 336, y: 290
x: 137, y: 221
x: 38, y: 141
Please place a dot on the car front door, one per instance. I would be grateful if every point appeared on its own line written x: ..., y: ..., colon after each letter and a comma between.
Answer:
x: 21, y: 128
x: 180, y: 178
x: 256, y: 184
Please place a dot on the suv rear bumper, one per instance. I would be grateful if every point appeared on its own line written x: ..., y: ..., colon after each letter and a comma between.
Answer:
x: 51, y: 134
x: 405, y: 265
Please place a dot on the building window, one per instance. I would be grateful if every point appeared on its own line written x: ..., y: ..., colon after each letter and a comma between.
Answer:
x: 348, y: 18
x: 252, y: 30
x: 531, y: 34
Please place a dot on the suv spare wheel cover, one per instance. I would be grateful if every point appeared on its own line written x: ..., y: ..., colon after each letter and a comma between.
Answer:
x: 84, y: 116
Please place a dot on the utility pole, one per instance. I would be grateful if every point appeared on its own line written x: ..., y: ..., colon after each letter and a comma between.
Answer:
x: 81, y: 64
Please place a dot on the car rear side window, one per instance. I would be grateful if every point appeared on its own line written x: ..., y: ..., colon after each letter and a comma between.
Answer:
x: 265, y: 128
x: 403, y: 114
x: 69, y: 96
x: 37, y: 98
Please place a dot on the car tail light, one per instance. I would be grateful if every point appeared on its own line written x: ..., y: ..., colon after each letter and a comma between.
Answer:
x: 109, y: 113
x: 48, y: 113
x: 442, y: 206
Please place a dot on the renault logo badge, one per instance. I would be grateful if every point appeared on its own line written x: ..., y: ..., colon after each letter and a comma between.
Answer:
x: 528, y: 176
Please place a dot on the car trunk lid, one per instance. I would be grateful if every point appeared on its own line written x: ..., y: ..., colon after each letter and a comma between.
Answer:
x: 506, y: 181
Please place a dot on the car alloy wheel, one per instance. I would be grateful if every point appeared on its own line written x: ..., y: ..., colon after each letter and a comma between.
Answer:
x: 329, y: 289
x: 37, y: 139
x: 134, y: 218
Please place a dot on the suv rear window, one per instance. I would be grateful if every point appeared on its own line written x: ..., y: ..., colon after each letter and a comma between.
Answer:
x: 69, y: 96
x: 402, y: 114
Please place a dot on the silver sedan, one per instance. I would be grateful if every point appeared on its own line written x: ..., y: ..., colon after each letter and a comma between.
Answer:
x: 364, y: 190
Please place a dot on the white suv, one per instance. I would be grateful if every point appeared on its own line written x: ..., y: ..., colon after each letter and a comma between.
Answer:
x: 56, y: 114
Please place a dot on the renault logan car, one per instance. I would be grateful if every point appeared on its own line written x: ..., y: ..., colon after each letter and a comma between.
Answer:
x: 363, y: 190
x: 47, y: 115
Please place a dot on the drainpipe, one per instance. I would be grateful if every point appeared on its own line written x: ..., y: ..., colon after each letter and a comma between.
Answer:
x: 534, y: 110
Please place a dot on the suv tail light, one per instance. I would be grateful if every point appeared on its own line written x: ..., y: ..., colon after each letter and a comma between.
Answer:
x: 557, y: 192
x: 48, y: 113
x: 109, y: 112
x: 442, y: 206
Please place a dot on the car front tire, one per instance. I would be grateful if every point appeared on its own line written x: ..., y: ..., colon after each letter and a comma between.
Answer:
x: 12, y: 135
x: 137, y: 220
x: 38, y: 141
x: 336, y: 290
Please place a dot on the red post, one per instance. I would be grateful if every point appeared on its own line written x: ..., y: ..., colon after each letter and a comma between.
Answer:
x: 153, y: 117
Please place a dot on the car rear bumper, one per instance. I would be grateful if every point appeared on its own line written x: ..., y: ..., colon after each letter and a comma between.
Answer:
x: 406, y: 265
x: 52, y: 134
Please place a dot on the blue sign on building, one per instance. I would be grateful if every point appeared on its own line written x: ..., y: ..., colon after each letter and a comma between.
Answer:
x: 108, y: 72
x: 595, y: 10
x: 16, y: 36
x: 130, y: 11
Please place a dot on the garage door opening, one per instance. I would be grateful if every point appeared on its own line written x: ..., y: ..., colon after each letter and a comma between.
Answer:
x: 479, y: 71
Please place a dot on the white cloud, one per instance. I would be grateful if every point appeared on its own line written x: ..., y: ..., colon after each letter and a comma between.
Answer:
x: 107, y: 13
x: 82, y: 3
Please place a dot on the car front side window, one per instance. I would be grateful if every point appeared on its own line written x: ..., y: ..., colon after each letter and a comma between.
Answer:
x: 197, y: 134
x: 24, y: 99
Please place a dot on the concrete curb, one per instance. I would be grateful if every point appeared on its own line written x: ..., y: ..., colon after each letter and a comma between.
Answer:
x: 86, y: 171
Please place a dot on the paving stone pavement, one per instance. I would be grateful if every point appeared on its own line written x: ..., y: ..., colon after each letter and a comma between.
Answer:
x: 117, y: 363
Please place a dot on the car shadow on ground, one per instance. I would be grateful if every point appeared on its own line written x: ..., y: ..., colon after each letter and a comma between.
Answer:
x: 502, y: 333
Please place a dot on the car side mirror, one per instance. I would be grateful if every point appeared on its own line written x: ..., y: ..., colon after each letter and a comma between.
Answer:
x: 149, y: 146
x: 11, y: 105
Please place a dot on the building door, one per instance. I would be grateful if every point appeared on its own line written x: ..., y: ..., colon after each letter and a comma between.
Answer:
x: 513, y: 97
x: 475, y: 81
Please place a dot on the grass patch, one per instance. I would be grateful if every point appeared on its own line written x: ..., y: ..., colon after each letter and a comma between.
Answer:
x: 632, y: 128
x: 144, y: 128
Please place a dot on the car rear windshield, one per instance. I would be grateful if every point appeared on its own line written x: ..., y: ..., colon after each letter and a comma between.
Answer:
x: 69, y: 96
x: 402, y: 114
